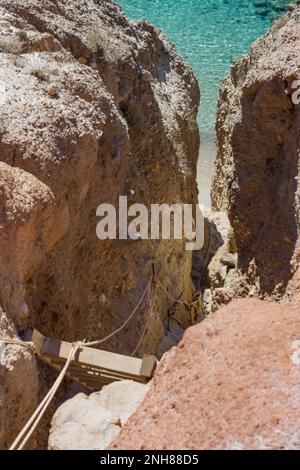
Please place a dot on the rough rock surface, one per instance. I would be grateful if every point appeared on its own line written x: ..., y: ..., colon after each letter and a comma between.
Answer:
x: 215, y: 267
x: 233, y: 383
x: 93, y: 106
x: 91, y: 422
x: 257, y: 167
x: 18, y: 384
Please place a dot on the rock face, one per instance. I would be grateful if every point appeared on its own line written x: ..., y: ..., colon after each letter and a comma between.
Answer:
x: 215, y: 267
x: 257, y: 167
x: 233, y: 383
x: 93, y: 106
x: 18, y: 385
x: 90, y: 423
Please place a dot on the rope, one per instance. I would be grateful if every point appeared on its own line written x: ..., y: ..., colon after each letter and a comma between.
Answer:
x: 177, y: 301
x: 146, y: 325
x: 95, y: 343
x: 29, y: 428
x: 35, y: 419
x: 19, y: 342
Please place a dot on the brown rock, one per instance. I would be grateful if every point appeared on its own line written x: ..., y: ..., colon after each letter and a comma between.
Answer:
x: 98, y: 141
x: 52, y: 90
x: 233, y: 383
x: 61, y: 159
x: 257, y: 167
x: 18, y: 385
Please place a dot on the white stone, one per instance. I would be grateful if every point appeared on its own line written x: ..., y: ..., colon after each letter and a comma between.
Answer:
x: 91, y: 422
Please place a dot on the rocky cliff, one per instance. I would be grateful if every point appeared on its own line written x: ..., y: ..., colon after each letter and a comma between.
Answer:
x: 93, y: 106
x: 257, y: 168
x: 232, y: 383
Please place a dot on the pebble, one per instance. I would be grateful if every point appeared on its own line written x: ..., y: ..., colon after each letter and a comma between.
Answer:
x: 52, y: 90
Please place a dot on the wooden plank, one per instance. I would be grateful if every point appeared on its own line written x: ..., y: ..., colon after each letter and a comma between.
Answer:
x: 92, y: 368
x: 76, y: 366
x: 103, y: 376
x: 148, y: 366
x: 106, y: 375
x: 93, y: 383
x: 95, y: 357
x: 95, y: 387
x: 37, y: 338
x: 82, y: 374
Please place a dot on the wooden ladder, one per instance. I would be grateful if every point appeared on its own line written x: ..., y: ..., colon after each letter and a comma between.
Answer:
x: 92, y: 368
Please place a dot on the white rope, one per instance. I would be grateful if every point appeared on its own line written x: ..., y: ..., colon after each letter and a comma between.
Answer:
x: 177, y: 301
x: 29, y: 428
x: 35, y: 419
x: 96, y: 343
x: 19, y: 342
x: 146, y: 325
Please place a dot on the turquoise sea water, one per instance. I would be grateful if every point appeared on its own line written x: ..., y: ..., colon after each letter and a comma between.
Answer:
x: 210, y: 35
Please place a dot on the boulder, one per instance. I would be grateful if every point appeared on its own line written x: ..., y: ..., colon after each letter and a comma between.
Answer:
x: 232, y: 383
x: 91, y: 422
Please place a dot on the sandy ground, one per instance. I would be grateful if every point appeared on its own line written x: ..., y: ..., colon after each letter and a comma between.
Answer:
x: 205, y: 168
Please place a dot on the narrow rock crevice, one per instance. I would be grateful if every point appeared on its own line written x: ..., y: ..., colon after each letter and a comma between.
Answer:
x: 95, y: 108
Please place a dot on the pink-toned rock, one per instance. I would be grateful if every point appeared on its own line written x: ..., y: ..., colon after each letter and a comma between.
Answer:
x: 257, y: 166
x: 61, y: 158
x: 233, y: 383
x: 294, y: 287
x: 52, y: 90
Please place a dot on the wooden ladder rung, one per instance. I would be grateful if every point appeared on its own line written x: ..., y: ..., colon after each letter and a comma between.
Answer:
x: 84, y: 370
x: 92, y: 368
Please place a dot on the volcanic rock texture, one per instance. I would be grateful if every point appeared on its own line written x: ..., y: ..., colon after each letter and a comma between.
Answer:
x: 93, y: 106
x: 232, y: 383
x: 257, y: 167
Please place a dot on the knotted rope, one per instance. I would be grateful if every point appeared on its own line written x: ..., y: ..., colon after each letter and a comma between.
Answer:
x: 29, y: 428
x: 176, y: 301
x: 19, y: 342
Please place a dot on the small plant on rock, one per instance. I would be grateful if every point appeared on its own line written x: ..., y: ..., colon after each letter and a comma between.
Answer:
x: 38, y: 67
x: 101, y: 41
